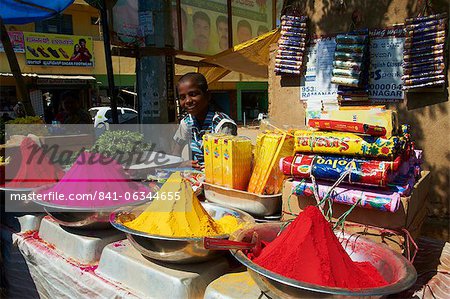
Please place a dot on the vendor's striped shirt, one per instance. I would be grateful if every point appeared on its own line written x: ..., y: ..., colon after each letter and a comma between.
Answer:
x: 191, y: 129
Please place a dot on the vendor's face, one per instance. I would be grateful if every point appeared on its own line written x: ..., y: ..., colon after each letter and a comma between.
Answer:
x: 192, y: 98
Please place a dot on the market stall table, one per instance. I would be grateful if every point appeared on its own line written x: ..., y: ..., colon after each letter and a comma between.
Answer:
x: 121, y: 262
x: 57, y: 277
x: 84, y: 246
x: 121, y: 273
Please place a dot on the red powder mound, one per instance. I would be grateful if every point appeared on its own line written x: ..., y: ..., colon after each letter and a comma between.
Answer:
x: 35, y: 169
x: 308, y: 250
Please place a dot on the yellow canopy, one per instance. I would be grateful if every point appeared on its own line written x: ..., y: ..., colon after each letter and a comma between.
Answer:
x: 250, y: 57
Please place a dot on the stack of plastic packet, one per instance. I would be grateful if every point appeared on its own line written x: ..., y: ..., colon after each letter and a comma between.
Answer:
x: 424, y: 52
x: 266, y: 177
x: 350, y: 65
x: 330, y: 168
x: 348, y: 144
x: 379, y: 170
x: 228, y: 160
x: 351, y: 96
x: 291, y: 45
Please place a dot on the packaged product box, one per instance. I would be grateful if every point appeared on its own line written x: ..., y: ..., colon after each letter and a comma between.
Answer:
x: 216, y: 148
x: 236, y: 162
x: 208, y: 156
x: 378, y: 117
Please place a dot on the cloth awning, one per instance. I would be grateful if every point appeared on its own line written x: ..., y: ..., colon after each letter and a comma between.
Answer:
x: 60, y: 77
x: 29, y: 11
x: 250, y: 57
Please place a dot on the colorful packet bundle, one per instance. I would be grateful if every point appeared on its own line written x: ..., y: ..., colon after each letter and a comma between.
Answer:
x: 427, y: 61
x: 387, y: 201
x: 267, y: 177
x: 348, y: 144
x: 296, y: 43
x: 291, y: 54
x: 291, y: 45
x: 346, y: 126
x: 423, y: 59
x: 430, y: 35
x: 330, y: 168
x: 350, y: 60
x: 288, y: 62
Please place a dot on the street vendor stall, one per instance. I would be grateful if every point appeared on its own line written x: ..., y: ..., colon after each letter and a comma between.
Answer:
x: 328, y: 204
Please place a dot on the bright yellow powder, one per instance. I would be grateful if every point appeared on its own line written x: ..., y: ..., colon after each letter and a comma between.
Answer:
x: 184, y: 217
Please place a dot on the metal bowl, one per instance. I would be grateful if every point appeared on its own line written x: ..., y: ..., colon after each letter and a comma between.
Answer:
x: 399, y: 272
x: 171, y: 249
x: 77, y: 217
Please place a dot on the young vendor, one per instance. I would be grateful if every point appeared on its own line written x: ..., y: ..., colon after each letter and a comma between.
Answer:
x: 201, y: 118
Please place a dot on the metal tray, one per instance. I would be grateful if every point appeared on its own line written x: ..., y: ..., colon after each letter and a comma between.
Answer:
x: 172, y: 249
x: 255, y: 204
x: 76, y: 217
x: 398, y: 271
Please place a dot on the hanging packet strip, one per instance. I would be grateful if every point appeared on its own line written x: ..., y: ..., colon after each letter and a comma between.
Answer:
x: 330, y: 168
x: 418, y: 38
x: 425, y: 18
x: 423, y: 61
x: 348, y: 144
x: 429, y: 84
x: 382, y: 201
x: 426, y: 68
x: 346, y: 126
x: 424, y: 48
x: 425, y: 30
x: 423, y: 42
x: 423, y: 80
x: 420, y: 75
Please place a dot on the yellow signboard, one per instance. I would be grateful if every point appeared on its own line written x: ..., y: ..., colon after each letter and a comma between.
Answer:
x: 58, y: 50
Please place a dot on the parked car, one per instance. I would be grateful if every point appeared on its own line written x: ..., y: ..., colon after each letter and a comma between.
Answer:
x: 103, y: 115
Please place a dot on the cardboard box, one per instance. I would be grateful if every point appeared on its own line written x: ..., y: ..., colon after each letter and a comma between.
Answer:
x: 236, y: 162
x: 410, y: 215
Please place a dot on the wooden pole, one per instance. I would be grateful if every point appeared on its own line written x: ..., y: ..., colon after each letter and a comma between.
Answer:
x: 109, y: 65
x: 230, y: 23
x: 23, y: 95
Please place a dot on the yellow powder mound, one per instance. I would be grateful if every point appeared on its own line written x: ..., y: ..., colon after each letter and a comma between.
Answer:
x: 229, y: 224
x: 184, y: 217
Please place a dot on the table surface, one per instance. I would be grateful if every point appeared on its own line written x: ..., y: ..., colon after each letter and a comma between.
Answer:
x: 432, y: 263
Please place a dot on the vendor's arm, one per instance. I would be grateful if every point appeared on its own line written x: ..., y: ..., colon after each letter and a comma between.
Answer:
x: 182, y: 138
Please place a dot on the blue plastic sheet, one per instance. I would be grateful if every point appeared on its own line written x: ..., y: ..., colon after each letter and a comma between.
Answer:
x: 28, y: 11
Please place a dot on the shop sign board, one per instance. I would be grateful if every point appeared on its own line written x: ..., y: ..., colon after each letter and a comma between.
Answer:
x: 17, y: 42
x: 386, y: 58
x: 58, y: 50
x: 316, y: 82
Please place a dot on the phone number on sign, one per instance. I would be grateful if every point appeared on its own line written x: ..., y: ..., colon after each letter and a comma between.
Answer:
x: 139, y: 196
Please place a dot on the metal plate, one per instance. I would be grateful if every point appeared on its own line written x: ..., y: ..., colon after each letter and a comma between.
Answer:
x: 16, y: 189
x: 392, y: 266
x: 257, y: 205
x: 172, y: 249
x: 77, y: 217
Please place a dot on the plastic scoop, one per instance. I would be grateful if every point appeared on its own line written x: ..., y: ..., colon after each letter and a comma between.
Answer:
x: 221, y: 244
